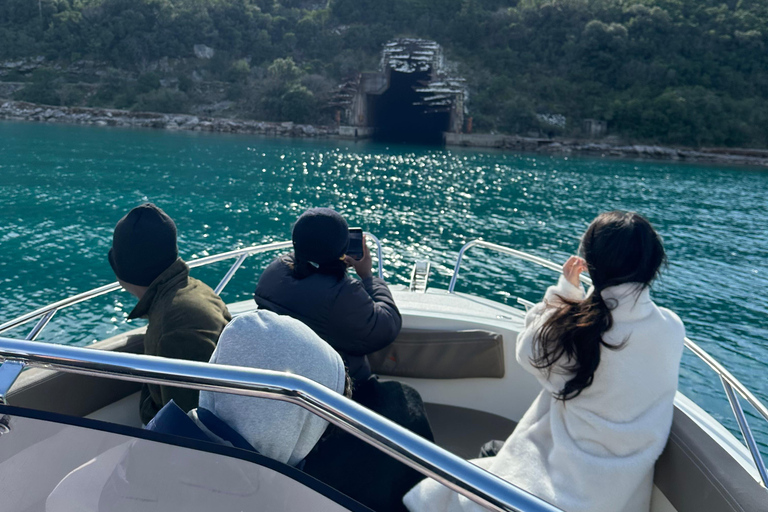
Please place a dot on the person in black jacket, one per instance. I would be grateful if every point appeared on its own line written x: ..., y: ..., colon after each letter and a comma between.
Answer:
x: 355, y: 317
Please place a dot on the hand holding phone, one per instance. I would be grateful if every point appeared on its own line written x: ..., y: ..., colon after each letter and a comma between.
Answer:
x: 362, y: 263
x: 355, y: 249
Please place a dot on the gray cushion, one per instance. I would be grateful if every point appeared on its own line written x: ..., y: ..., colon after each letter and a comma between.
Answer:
x: 442, y: 355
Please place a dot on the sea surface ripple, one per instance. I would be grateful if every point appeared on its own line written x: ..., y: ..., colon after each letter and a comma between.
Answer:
x: 65, y: 187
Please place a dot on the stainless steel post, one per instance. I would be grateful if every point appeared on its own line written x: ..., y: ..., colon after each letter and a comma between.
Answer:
x: 746, y: 432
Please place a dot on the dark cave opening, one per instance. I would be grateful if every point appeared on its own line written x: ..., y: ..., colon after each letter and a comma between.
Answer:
x: 398, y: 119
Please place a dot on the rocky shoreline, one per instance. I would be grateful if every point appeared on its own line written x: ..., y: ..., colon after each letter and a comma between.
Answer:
x: 725, y: 156
x: 22, y: 111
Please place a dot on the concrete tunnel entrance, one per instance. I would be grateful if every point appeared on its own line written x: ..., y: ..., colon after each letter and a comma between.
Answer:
x: 414, y: 97
x: 400, y: 114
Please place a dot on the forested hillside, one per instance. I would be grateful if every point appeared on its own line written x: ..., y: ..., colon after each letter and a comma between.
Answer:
x: 688, y: 72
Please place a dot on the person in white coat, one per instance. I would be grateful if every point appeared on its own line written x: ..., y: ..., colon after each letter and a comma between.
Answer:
x: 608, y: 363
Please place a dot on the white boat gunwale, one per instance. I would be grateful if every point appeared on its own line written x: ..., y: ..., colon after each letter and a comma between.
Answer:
x: 475, y: 483
x: 11, y: 367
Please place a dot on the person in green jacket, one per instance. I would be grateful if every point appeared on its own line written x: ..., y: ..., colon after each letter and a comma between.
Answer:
x: 185, y: 315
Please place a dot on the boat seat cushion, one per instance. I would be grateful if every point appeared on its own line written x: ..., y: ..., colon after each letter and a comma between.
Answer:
x: 697, y: 475
x: 428, y: 354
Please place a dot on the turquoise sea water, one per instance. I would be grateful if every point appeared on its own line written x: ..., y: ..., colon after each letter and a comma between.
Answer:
x: 64, y: 188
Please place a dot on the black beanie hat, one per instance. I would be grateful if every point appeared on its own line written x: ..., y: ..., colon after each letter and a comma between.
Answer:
x: 144, y: 245
x: 320, y: 236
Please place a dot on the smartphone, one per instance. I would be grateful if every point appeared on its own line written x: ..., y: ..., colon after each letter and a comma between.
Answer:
x: 355, y: 249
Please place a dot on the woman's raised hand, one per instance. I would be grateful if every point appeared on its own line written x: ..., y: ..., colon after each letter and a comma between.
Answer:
x: 572, y: 268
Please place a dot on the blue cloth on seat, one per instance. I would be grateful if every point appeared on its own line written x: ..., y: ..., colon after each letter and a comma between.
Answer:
x: 172, y: 419
x: 223, y: 430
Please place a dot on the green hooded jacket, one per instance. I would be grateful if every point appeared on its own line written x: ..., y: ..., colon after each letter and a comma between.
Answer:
x: 185, y: 319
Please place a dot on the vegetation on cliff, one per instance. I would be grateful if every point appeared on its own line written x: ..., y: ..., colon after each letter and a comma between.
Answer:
x: 689, y: 72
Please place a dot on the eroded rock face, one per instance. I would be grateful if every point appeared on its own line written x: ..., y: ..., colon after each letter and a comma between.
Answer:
x: 22, y: 65
x: 7, y: 89
x: 203, y: 52
x: 408, y: 55
x: 22, y: 111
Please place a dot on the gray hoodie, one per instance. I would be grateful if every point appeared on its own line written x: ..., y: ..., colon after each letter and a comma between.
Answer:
x: 265, y: 340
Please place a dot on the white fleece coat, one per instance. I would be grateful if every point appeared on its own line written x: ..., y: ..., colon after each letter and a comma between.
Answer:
x: 596, y: 452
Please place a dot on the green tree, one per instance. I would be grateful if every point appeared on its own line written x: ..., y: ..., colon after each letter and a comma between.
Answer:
x: 691, y: 72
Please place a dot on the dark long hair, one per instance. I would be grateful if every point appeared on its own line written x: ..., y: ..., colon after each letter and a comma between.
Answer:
x: 303, y: 268
x: 619, y: 247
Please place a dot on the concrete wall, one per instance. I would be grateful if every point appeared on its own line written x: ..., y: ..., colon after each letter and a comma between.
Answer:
x: 374, y: 83
x: 594, y: 128
x: 355, y: 132
x: 480, y: 140
x: 488, y: 140
x: 457, y: 116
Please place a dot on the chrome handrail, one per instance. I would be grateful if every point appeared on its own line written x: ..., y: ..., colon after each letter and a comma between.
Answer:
x: 241, y: 254
x: 505, y: 250
x: 475, y: 483
x: 730, y: 383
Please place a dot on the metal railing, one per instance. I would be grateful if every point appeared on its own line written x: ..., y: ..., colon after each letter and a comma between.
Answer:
x: 731, y: 384
x: 47, y: 312
x: 432, y: 461
x: 504, y: 250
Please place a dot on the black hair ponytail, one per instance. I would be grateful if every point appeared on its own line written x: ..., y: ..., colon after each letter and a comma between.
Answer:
x: 619, y: 247
x: 573, y: 334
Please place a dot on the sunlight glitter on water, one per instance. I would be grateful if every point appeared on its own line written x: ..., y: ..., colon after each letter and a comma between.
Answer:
x: 230, y: 191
